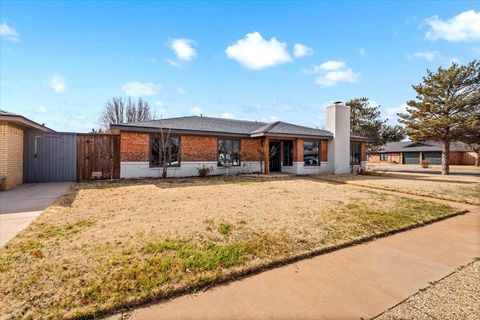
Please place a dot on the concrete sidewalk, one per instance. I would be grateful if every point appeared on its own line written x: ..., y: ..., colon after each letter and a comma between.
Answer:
x: 360, y: 281
x: 20, y: 205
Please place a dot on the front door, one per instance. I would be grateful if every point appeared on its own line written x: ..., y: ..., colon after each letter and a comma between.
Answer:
x: 275, y: 160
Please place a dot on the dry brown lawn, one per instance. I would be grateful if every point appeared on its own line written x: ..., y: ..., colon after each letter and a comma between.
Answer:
x: 107, y: 245
x: 457, y: 188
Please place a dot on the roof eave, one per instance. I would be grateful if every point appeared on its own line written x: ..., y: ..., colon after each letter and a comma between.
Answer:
x: 177, y: 131
x: 24, y: 122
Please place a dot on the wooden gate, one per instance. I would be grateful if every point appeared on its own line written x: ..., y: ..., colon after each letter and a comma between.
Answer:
x: 98, y: 156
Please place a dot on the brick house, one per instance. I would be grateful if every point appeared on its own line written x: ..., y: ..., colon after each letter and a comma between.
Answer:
x: 12, y: 129
x: 238, y: 146
x: 408, y: 152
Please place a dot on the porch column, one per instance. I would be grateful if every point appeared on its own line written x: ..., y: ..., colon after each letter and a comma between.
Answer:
x: 266, y: 154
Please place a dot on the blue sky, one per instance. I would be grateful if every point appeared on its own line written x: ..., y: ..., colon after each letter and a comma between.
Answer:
x: 61, y: 61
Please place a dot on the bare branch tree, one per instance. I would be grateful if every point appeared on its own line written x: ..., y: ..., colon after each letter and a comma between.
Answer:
x: 261, y: 154
x: 162, y: 145
x: 120, y: 110
x: 140, y: 111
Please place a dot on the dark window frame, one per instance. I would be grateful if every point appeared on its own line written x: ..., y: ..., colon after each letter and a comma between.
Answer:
x: 160, y: 165
x: 319, y: 153
x: 219, y: 164
x: 353, y: 159
x: 286, y: 162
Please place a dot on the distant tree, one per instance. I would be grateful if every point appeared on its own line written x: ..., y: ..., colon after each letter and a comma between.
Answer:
x: 472, y: 136
x: 120, y: 110
x: 445, y: 102
x: 366, y: 121
x: 97, y: 131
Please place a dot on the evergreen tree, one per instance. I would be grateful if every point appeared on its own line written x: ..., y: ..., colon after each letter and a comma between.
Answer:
x: 365, y: 121
x: 472, y: 136
x: 445, y: 101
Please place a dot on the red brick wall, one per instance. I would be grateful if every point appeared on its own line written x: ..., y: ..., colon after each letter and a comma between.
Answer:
x: 455, y: 157
x: 324, y: 150
x: 198, y: 148
x: 363, y: 151
x: 249, y: 149
x: 298, y: 150
x: 395, y: 158
x: 373, y: 157
x: 134, y: 146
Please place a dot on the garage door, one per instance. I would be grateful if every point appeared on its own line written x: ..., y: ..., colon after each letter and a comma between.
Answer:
x: 411, y: 157
x: 433, y: 157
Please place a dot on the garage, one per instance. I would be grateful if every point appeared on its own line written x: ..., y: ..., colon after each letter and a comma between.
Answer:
x: 433, y: 157
x: 411, y: 158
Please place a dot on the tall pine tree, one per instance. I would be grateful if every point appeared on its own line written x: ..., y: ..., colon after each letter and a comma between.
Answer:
x: 444, y: 103
x: 365, y: 121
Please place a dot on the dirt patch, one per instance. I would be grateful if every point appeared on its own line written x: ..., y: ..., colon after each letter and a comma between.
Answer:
x: 455, y: 188
x: 106, y: 245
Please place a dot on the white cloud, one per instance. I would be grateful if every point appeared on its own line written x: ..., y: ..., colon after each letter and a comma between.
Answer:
x: 140, y: 89
x: 454, y: 60
x: 41, y: 109
x: 227, y: 115
x: 462, y: 27
x: 183, y: 49
x: 196, y: 111
x: 256, y: 53
x: 331, y: 78
x: 391, y: 113
x: 301, y: 50
x: 9, y: 32
x: 173, y: 63
x: 330, y: 65
x: 427, y: 55
x: 180, y: 90
x: 333, y: 72
x: 57, y: 83
x: 362, y: 51
x: 160, y: 111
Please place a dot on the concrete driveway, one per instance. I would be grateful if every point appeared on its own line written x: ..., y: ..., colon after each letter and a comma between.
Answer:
x: 20, y: 205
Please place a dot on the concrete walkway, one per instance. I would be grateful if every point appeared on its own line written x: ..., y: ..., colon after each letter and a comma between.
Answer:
x: 20, y: 205
x: 360, y: 281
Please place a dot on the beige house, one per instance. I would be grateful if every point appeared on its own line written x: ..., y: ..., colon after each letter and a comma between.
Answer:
x: 12, y: 129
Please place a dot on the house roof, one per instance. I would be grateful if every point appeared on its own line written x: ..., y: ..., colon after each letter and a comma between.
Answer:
x: 200, y: 124
x: 425, y: 146
x: 22, y: 121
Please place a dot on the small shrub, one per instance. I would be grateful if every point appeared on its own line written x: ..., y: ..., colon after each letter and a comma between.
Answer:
x: 425, y: 164
x: 224, y: 228
x: 204, y: 171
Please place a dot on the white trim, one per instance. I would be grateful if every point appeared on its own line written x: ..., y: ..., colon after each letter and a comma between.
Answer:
x: 142, y: 169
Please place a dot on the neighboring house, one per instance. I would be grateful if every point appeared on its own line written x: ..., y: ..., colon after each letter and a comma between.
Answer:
x: 12, y: 129
x: 408, y: 152
x: 239, y: 146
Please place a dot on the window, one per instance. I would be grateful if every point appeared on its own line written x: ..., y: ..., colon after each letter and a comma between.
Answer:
x: 311, y: 151
x: 383, y: 156
x: 228, y: 152
x: 172, y: 152
x: 354, y: 153
x: 288, y: 153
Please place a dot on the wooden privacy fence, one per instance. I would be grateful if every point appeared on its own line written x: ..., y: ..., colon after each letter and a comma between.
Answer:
x: 98, y: 156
